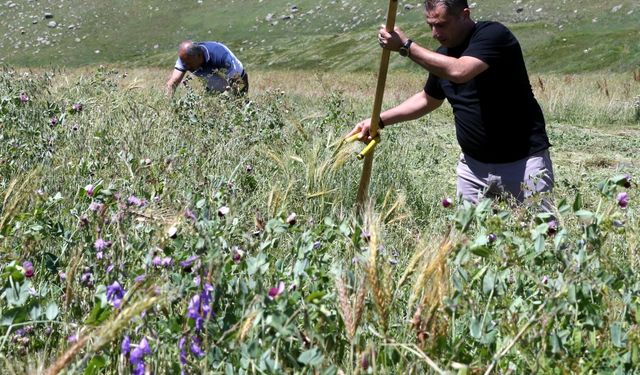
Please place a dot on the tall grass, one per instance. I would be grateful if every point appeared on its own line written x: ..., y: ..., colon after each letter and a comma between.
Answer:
x: 258, y: 190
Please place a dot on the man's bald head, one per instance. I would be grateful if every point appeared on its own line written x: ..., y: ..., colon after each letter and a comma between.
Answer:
x: 190, y: 54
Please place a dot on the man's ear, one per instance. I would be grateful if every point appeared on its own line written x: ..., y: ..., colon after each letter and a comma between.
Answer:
x: 465, y: 14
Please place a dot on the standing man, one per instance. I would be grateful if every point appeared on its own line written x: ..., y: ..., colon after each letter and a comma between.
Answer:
x: 212, y: 61
x: 480, y: 70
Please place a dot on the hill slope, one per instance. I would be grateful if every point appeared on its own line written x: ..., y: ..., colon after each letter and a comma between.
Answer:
x: 566, y: 36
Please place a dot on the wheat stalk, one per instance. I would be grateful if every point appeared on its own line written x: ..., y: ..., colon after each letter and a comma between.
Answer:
x: 246, y: 325
x: 381, y: 295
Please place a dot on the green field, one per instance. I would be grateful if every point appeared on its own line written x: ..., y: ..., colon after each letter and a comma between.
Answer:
x: 321, y: 35
x: 210, y: 234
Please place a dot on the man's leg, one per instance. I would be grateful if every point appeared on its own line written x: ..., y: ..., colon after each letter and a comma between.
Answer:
x: 216, y: 83
x: 529, y: 176
x: 471, y: 184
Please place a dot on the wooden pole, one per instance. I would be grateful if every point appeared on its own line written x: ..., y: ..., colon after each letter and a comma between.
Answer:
x: 377, y: 105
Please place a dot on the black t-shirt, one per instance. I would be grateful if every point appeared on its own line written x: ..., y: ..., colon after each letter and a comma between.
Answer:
x: 497, y: 118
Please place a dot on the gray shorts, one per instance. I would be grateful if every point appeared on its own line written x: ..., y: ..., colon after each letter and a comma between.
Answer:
x: 520, y: 179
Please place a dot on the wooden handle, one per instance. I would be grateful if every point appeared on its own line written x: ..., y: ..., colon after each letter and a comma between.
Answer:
x: 377, y: 105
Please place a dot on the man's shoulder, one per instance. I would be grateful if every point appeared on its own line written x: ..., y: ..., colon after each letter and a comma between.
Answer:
x: 211, y: 44
x: 491, y: 27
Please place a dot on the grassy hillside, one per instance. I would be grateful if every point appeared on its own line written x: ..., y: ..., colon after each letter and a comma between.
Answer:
x: 561, y: 36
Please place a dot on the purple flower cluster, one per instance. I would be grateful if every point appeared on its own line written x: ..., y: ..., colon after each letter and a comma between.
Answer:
x: 162, y: 262
x: 135, y: 201
x: 190, y: 215
x: 200, y: 307
x: 189, y: 262
x: 76, y: 107
x: 195, y: 347
x: 137, y: 355
x: 24, y: 98
x: 115, y: 293
x: 86, y: 278
x: 101, y: 244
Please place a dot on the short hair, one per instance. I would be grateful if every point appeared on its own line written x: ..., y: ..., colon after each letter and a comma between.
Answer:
x: 190, y: 49
x: 193, y: 50
x: 452, y: 6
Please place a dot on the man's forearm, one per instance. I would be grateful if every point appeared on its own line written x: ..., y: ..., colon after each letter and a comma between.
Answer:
x: 413, y: 108
x: 457, y: 70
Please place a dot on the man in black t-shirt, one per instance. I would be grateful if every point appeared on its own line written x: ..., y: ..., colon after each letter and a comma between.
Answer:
x: 480, y: 70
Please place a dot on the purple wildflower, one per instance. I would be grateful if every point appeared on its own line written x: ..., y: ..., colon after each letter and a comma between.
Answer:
x: 72, y: 338
x: 447, y: 202
x: 190, y: 215
x: 193, y: 310
x: 140, y: 278
x: 139, y: 369
x: 24, y: 97
x: 87, y: 278
x: 623, y: 199
x: 28, y: 269
x: 89, y: 189
x: 199, y: 307
x: 156, y: 261
x: 162, y: 262
x: 135, y: 201
x: 142, y: 350
x: 195, y: 347
x: 62, y: 275
x: 76, y: 107
x: 492, y: 237
x: 553, y: 227
x: 276, y: 291
x: 189, y: 262
x: 110, y: 268
x: 96, y: 206
x: 166, y: 262
x: 183, y: 351
x: 126, y: 345
x: 364, y: 361
x: 53, y: 121
x: 237, y: 254
x: 101, y: 244
x: 99, y: 255
x: 115, y: 293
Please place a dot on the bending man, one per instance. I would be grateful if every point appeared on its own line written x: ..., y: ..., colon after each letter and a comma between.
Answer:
x: 212, y: 61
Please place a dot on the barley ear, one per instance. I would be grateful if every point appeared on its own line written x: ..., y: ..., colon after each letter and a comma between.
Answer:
x: 344, y: 307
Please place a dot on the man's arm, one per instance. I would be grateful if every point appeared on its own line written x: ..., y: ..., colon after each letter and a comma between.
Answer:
x: 173, y: 81
x: 415, y: 107
x: 457, y: 70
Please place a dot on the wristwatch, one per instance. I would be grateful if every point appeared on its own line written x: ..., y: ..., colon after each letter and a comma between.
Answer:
x: 404, y: 50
